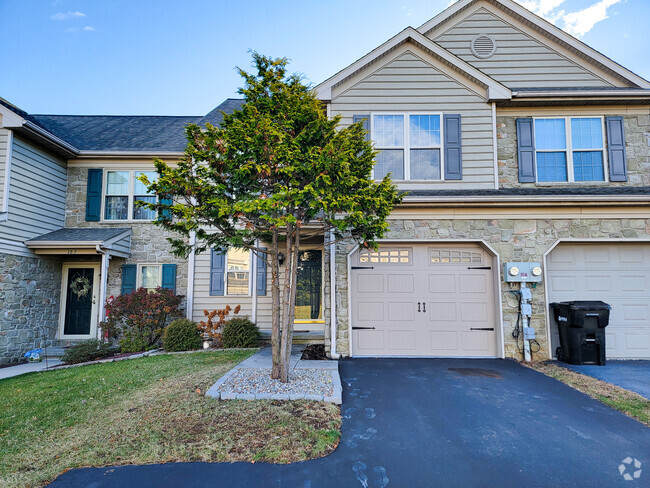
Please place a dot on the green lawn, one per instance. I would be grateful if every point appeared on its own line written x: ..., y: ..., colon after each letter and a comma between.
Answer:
x: 148, y: 410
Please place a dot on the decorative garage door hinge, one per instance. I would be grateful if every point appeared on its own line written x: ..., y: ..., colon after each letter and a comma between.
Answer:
x: 362, y: 267
x: 363, y: 328
x: 482, y: 328
x: 479, y: 267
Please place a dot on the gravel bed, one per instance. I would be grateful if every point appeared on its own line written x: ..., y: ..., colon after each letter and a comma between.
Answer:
x: 301, y: 381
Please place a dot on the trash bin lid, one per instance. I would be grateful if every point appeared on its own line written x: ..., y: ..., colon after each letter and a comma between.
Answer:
x: 588, y: 305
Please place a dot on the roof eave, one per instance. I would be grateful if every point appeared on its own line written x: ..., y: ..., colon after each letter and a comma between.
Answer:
x: 527, y: 200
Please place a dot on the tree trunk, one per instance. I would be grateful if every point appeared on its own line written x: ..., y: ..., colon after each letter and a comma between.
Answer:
x: 284, y: 362
x: 292, y: 294
x: 275, y: 308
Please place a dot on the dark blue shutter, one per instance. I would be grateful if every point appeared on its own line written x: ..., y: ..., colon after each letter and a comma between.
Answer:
x: 94, y: 195
x: 526, y: 150
x: 365, y: 121
x: 169, y: 276
x: 166, y: 214
x: 261, y: 275
x: 217, y: 271
x: 129, y: 277
x: 453, y: 150
x: 616, y: 148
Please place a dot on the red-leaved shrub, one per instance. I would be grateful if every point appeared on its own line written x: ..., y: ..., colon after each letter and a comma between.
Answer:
x: 138, y: 319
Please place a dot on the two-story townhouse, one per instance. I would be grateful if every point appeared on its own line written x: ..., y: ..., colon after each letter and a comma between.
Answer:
x: 515, y: 142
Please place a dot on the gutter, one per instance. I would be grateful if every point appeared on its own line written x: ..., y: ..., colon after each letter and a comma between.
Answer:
x: 60, y: 143
x: 528, y: 200
x: 581, y: 93
x: 127, y: 154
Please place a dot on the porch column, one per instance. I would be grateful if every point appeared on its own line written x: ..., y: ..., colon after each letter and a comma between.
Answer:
x: 103, y: 285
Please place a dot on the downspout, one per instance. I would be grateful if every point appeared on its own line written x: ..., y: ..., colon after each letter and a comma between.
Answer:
x: 254, y: 284
x: 333, y: 338
x: 103, y: 282
x: 4, y: 204
x: 190, y: 278
x: 494, y: 146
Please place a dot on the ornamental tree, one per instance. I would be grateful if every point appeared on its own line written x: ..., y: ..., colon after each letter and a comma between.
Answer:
x: 275, y: 172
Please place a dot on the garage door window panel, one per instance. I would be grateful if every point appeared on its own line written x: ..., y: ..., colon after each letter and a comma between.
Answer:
x: 448, y: 256
x: 386, y: 256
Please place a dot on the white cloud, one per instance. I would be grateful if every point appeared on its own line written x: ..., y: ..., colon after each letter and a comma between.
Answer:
x: 67, y: 15
x: 580, y: 22
x: 89, y: 28
x: 576, y: 23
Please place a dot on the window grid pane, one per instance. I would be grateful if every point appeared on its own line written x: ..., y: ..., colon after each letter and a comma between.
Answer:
x: 551, y: 166
x: 140, y: 188
x: 402, y: 256
x: 390, y: 161
x: 587, y: 133
x: 389, y: 130
x: 142, y: 213
x: 424, y: 130
x: 588, y: 166
x: 425, y: 164
x: 237, y: 282
x: 117, y: 183
x: 550, y: 134
x: 117, y: 208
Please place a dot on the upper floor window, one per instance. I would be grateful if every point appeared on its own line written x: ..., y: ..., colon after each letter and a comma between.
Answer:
x: 409, y: 146
x: 123, y: 189
x: 150, y: 276
x: 570, y: 149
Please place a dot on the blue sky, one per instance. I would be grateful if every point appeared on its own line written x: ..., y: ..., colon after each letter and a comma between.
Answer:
x: 174, y: 57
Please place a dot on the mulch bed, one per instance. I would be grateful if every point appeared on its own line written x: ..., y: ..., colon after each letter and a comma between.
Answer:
x: 315, y: 352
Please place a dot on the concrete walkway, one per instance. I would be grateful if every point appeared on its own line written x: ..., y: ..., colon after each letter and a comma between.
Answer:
x: 631, y: 375
x: 262, y: 360
x: 24, y: 368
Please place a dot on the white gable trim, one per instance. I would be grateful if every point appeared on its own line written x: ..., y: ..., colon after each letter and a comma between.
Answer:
x: 495, y: 90
x: 556, y: 34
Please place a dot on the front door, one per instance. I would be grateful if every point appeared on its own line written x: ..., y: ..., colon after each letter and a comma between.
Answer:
x: 79, y: 299
x: 309, y: 284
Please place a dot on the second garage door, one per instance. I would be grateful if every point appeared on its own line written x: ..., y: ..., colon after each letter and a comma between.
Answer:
x: 423, y: 300
x: 616, y: 273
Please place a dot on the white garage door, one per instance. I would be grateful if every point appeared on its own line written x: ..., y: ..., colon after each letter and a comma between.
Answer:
x: 618, y: 274
x: 423, y: 300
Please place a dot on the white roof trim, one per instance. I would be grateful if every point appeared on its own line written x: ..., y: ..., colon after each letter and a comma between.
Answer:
x: 495, y: 90
x: 546, y: 26
x: 581, y: 93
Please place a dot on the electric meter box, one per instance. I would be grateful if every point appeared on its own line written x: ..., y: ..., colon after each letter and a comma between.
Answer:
x: 515, y: 272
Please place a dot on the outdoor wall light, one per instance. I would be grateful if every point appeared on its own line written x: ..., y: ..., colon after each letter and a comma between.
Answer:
x: 281, y: 258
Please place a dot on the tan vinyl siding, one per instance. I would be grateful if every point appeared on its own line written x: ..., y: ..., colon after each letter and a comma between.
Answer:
x: 37, y: 194
x: 4, y: 138
x: 409, y: 83
x: 520, y: 61
x: 203, y: 300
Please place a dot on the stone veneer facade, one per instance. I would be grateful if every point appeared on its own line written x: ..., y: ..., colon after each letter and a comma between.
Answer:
x: 30, y: 290
x: 637, y: 130
x: 148, y: 242
x: 513, y: 240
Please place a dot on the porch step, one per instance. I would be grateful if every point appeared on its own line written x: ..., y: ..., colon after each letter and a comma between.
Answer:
x: 304, y: 337
x: 54, y: 352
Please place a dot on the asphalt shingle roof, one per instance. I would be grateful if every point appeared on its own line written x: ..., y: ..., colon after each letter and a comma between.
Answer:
x: 82, y: 235
x: 151, y: 133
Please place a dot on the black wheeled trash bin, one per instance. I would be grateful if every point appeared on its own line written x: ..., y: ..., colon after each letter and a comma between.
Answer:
x: 581, y: 325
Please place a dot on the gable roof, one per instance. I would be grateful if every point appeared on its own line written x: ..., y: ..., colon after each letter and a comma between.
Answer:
x: 495, y: 90
x: 548, y: 30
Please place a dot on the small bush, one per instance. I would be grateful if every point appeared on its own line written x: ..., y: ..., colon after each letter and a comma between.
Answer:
x: 139, y: 318
x: 181, y: 335
x: 88, y: 351
x: 240, y: 332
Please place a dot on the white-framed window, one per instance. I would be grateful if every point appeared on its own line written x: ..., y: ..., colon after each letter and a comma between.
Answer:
x: 386, y: 256
x: 409, y: 145
x: 122, y: 189
x: 570, y: 149
x: 149, y: 276
x: 238, y: 272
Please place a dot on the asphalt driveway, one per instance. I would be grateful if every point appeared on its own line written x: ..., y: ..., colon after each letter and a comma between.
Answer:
x: 631, y: 375
x: 435, y: 422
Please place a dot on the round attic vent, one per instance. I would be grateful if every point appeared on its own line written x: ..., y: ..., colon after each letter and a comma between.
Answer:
x: 483, y: 46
